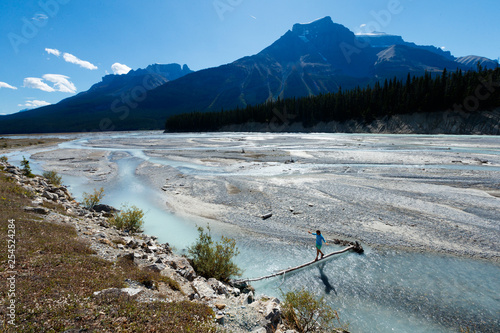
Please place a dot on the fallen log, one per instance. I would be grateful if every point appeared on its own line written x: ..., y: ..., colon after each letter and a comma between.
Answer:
x: 241, y: 281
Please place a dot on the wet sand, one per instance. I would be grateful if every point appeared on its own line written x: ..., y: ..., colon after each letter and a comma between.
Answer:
x: 423, y: 193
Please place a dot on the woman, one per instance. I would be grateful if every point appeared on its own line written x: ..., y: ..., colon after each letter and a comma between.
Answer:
x: 319, y: 242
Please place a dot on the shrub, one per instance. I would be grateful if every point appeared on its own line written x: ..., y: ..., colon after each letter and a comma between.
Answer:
x: 26, y: 168
x: 4, y: 159
x: 214, y: 260
x: 90, y: 200
x: 305, y: 313
x: 129, y: 218
x: 53, y: 177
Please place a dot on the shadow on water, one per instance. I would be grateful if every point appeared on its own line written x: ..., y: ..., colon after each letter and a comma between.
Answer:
x: 324, y: 278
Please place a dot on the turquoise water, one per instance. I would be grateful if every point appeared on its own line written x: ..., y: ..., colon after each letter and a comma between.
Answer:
x: 379, y: 291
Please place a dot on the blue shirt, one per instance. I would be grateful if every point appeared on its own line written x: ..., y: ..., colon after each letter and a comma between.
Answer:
x: 319, y: 238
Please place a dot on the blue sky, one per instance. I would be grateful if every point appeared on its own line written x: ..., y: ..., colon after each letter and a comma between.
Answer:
x: 53, y: 49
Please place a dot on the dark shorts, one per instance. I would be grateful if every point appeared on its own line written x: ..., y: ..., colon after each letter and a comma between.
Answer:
x: 318, y: 247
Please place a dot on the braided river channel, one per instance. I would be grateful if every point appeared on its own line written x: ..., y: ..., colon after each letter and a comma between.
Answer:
x: 425, y: 208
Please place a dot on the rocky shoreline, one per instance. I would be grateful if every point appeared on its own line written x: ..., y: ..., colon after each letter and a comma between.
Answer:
x: 236, y: 307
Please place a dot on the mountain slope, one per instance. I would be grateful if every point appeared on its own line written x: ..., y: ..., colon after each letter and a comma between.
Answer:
x: 105, y: 105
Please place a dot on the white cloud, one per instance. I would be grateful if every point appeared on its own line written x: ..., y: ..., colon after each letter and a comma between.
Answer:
x: 34, y: 104
x: 6, y: 85
x: 82, y: 63
x: 60, y: 83
x: 37, y: 83
x: 53, y: 51
x: 119, y: 69
x: 40, y: 17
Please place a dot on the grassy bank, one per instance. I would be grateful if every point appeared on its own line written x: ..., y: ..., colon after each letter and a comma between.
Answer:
x: 55, y: 274
x: 8, y: 143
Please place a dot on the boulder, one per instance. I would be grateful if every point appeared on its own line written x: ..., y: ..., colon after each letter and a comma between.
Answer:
x: 50, y: 195
x: 219, y: 287
x: 202, y: 288
x: 37, y: 210
x: 182, y: 267
x: 273, y: 313
x: 104, y: 208
x: 155, y: 267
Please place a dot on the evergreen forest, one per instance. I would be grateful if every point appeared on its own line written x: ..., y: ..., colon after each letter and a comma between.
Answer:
x: 469, y: 91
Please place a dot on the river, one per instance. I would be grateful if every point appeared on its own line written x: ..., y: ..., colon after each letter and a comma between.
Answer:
x: 385, y: 289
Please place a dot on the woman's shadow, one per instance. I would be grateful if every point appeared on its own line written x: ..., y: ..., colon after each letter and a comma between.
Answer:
x: 324, y: 279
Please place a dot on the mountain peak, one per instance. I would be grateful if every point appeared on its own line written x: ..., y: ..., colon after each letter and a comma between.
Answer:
x: 322, y: 24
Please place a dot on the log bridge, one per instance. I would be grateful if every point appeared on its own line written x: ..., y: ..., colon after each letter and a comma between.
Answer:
x: 355, y: 246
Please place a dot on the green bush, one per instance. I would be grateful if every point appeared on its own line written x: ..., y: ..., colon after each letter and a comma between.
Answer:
x: 303, y: 312
x: 53, y: 177
x: 4, y: 159
x: 26, y: 168
x: 214, y: 260
x: 90, y: 200
x: 129, y: 218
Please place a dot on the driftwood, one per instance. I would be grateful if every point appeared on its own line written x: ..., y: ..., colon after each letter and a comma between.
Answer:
x: 354, y: 247
x: 266, y: 216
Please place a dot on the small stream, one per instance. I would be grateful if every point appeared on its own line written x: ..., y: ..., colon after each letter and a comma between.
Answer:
x: 379, y: 291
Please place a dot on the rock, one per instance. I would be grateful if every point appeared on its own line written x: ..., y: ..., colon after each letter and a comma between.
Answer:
x: 50, y: 195
x: 104, y: 208
x: 219, y: 319
x: 182, y: 266
x: 202, y: 288
x: 127, y: 256
x: 220, y: 306
x: 37, y: 201
x: 273, y: 313
x: 132, y: 243
x: 219, y: 287
x: 36, y: 210
x: 118, y: 292
x: 250, y: 298
x: 155, y: 267
x: 260, y: 330
x: 158, y: 261
x: 107, y: 242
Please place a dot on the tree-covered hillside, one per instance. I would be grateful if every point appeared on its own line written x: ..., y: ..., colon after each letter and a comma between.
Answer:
x: 459, y: 91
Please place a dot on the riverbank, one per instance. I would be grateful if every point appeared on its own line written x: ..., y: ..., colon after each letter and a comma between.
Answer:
x: 440, y: 178
x: 130, y: 270
x: 450, y: 122
x: 420, y: 193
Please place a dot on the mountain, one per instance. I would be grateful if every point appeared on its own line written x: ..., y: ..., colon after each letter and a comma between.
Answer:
x: 310, y: 59
x: 472, y: 61
x: 382, y: 40
x: 105, y: 104
x: 150, y: 77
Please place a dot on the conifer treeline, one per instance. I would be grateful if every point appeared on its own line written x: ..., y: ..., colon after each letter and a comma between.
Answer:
x: 468, y: 92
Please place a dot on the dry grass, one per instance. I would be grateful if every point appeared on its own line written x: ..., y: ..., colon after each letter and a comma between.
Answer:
x: 57, y: 276
x: 7, y: 143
